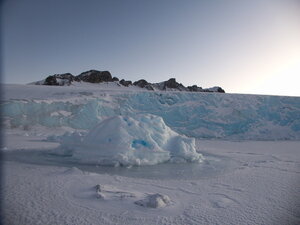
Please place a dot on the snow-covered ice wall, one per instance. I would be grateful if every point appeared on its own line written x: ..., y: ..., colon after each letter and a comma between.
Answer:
x: 201, y: 115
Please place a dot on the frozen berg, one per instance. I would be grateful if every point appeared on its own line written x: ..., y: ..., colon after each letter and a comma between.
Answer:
x: 123, y: 140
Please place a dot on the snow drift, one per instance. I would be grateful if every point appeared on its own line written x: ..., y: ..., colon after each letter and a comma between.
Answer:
x: 126, y: 141
x: 154, y: 201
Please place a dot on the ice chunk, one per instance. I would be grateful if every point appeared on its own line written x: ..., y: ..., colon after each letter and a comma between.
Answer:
x: 109, y: 192
x: 154, y: 201
x: 123, y: 140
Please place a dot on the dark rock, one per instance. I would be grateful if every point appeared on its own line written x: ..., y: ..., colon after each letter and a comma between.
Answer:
x: 195, y: 88
x: 149, y: 87
x: 144, y: 84
x: 115, y: 79
x: 141, y: 83
x: 220, y: 90
x: 59, y: 79
x: 95, y: 76
x: 125, y: 83
x: 171, y: 83
x: 51, y: 80
x: 77, y: 79
x: 214, y: 89
x: 67, y: 76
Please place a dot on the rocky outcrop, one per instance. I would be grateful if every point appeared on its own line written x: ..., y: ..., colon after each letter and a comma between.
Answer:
x: 220, y: 90
x: 59, y: 79
x: 91, y: 76
x: 95, y: 76
x: 125, y: 83
x: 173, y: 84
x: 194, y: 88
x: 214, y: 89
x: 51, y: 80
x: 143, y: 84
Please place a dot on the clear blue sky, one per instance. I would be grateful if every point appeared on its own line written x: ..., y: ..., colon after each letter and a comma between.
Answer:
x: 243, y: 46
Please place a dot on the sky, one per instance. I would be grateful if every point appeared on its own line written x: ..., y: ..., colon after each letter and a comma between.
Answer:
x: 250, y: 47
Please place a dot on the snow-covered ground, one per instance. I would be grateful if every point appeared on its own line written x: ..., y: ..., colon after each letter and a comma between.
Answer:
x: 241, y: 180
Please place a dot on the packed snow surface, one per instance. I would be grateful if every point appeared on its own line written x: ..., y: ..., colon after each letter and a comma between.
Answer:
x: 124, y: 140
x: 261, y: 188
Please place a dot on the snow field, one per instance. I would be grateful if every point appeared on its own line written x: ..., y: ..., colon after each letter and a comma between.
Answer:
x: 263, y: 189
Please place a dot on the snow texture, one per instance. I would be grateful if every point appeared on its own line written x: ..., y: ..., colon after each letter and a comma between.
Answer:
x: 201, y: 115
x: 127, y: 141
x: 263, y: 188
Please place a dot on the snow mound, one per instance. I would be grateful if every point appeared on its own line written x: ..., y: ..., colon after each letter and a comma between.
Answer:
x: 109, y: 193
x: 123, y: 140
x: 74, y: 171
x: 154, y: 201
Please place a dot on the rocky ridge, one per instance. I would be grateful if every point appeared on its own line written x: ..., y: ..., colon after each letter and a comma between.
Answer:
x: 95, y: 76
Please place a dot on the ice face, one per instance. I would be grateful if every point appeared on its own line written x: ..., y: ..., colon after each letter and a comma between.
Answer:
x: 123, y: 140
x: 201, y: 115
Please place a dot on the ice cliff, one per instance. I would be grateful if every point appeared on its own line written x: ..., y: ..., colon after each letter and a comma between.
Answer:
x: 200, y: 115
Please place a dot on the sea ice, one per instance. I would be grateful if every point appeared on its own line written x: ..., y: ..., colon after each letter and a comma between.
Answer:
x: 123, y: 140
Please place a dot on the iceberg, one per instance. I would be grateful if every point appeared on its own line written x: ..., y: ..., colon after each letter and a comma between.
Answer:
x: 128, y: 141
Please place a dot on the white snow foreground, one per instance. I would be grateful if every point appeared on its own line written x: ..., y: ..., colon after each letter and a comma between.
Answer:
x: 126, y: 141
x: 262, y: 189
